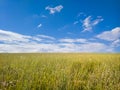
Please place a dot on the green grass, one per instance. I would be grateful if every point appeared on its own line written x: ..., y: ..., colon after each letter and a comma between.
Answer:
x: 60, y: 71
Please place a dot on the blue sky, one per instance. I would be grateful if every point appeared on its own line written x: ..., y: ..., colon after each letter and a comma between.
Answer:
x: 59, y: 26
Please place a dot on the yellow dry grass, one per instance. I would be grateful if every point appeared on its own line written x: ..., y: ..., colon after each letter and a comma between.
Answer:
x: 59, y: 71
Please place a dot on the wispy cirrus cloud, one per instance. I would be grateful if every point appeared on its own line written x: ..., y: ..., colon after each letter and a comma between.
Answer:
x: 43, y: 16
x: 54, y: 9
x: 39, y: 26
x: 81, y: 14
x: 46, y: 37
x: 88, y: 23
x: 76, y: 22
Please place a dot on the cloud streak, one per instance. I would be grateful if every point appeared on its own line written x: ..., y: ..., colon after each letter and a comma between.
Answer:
x: 88, y: 23
x: 39, y: 26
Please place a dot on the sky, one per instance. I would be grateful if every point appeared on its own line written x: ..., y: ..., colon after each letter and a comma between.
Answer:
x: 59, y: 26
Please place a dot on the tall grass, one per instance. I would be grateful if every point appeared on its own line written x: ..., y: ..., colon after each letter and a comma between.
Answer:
x: 60, y: 71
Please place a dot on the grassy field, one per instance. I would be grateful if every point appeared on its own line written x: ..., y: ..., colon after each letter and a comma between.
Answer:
x: 60, y: 71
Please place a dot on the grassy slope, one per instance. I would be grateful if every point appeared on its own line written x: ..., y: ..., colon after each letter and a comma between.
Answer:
x: 60, y: 71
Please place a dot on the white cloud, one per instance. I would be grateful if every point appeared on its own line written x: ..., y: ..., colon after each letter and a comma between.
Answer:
x: 55, y: 47
x: 10, y: 37
x: 81, y: 14
x: 76, y: 22
x: 116, y: 43
x: 111, y: 35
x: 43, y: 16
x: 15, y: 38
x: 46, y: 37
x: 88, y: 23
x: 55, y: 9
x: 40, y: 25
x: 35, y: 38
x: 68, y: 40
x: 43, y: 43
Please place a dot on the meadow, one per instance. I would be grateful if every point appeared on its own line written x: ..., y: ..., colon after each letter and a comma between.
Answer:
x: 59, y: 71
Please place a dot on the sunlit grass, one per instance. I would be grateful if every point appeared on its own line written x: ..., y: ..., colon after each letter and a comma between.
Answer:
x: 60, y: 71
